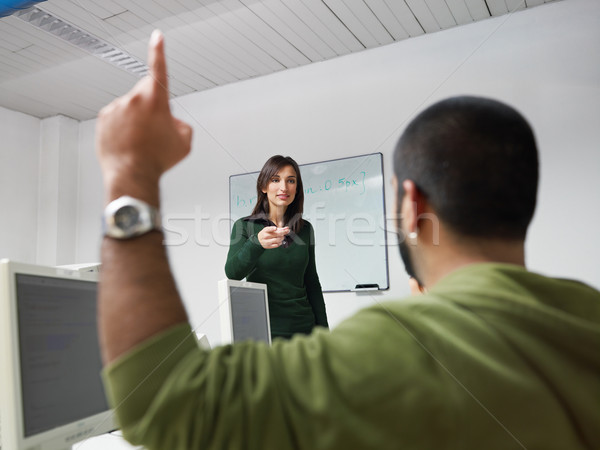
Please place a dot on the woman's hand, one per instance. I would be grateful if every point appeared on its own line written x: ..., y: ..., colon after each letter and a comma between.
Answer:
x: 272, y: 237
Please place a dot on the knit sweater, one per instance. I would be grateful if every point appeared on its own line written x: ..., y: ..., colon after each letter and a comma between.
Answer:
x: 296, y: 303
x: 494, y: 357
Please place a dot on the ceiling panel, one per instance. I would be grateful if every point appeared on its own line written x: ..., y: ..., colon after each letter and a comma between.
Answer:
x: 441, y: 12
x: 209, y: 42
x: 478, y: 9
x: 403, y: 14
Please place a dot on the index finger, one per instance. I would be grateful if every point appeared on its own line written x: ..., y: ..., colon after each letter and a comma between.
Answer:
x: 158, y: 64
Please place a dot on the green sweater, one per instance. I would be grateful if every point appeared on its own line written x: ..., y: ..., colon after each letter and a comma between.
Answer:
x: 296, y: 303
x: 493, y: 357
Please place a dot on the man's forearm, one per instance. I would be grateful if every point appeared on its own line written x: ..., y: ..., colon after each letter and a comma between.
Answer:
x: 137, y: 295
x: 137, y: 140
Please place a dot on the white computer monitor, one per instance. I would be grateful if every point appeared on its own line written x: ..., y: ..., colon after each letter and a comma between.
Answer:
x: 51, y: 393
x: 244, y: 311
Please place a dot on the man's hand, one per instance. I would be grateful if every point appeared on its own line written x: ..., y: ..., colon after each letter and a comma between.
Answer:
x: 137, y: 138
x: 272, y: 237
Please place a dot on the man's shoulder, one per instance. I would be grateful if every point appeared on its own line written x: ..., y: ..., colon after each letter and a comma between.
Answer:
x: 415, y: 312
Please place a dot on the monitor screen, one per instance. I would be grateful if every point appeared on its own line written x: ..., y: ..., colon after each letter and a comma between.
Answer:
x: 244, y: 310
x: 249, y: 314
x: 52, y: 392
x: 57, y: 333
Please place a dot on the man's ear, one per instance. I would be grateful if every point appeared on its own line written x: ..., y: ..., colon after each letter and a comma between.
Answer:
x: 409, y: 208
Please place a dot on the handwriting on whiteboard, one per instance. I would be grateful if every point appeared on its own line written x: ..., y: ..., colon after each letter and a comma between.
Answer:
x: 353, y: 185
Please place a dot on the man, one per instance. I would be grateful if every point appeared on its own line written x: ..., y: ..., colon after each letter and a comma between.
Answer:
x: 491, y: 357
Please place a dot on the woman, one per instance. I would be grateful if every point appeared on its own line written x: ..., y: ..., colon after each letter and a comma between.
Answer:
x: 275, y: 246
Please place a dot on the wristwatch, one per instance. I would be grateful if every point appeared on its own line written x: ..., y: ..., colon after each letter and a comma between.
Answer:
x: 128, y: 217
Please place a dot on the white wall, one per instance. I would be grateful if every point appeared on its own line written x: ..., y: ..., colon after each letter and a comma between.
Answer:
x: 19, y: 161
x: 38, y: 188
x: 58, y: 190
x: 542, y: 61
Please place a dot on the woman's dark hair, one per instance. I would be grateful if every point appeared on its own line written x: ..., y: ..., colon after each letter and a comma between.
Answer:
x: 293, y: 213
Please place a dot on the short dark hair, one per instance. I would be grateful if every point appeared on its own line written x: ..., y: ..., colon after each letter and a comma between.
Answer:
x: 476, y: 162
x: 293, y: 213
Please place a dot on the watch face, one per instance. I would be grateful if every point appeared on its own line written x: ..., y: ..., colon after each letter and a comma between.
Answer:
x: 126, y: 217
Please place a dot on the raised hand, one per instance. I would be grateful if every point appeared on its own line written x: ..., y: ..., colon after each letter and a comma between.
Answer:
x: 137, y: 138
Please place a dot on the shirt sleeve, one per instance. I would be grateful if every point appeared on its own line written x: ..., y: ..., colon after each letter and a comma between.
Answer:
x: 244, y: 251
x: 340, y: 388
x: 314, y: 292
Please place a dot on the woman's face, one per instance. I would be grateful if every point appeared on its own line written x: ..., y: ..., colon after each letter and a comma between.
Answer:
x: 281, y: 188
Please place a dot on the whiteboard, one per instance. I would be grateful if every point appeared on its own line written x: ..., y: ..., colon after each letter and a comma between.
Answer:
x: 344, y: 202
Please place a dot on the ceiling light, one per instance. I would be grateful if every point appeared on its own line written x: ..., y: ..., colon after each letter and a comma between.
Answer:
x: 83, y: 40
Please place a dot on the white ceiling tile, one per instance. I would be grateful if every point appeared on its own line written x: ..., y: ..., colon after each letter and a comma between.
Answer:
x: 301, y: 27
x: 478, y: 9
x: 19, y: 100
x: 497, y: 7
x: 515, y: 5
x: 286, y: 23
x: 281, y: 49
x: 224, y: 31
x: 91, y: 6
x: 278, y: 49
x: 441, y: 12
x: 350, y: 21
x: 75, y: 15
x: 187, y: 44
x: 112, y: 6
x: 220, y: 46
x: 424, y: 15
x: 405, y: 16
x: 387, y: 18
x: 326, y: 25
x: 365, y: 15
x: 459, y: 11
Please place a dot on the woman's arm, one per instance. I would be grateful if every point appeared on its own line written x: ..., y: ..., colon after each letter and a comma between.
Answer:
x: 244, y: 251
x: 314, y: 292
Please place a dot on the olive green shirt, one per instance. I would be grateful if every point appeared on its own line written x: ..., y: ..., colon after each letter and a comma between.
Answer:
x: 296, y: 303
x: 493, y: 357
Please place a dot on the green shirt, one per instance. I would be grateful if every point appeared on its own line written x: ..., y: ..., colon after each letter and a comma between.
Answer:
x: 296, y: 303
x: 493, y: 357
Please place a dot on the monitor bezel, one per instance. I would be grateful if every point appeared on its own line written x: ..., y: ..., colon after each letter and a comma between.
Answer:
x: 11, y: 405
x: 226, y: 315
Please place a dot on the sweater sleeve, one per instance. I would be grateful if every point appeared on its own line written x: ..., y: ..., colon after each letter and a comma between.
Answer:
x: 314, y: 292
x: 244, y: 251
x: 325, y: 390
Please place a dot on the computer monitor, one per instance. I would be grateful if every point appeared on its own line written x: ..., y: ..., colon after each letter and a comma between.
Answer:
x: 51, y: 391
x: 244, y: 311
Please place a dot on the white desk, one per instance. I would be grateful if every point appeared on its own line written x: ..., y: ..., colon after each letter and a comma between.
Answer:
x: 109, y: 441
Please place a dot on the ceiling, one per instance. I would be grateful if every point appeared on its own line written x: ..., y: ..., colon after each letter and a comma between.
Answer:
x: 209, y: 42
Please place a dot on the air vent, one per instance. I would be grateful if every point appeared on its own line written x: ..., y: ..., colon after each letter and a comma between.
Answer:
x: 83, y: 40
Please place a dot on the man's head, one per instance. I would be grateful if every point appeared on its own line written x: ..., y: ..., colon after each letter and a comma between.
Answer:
x: 474, y: 162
